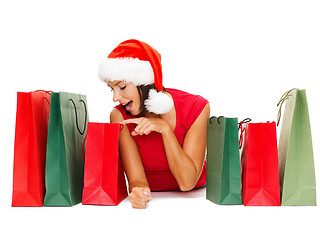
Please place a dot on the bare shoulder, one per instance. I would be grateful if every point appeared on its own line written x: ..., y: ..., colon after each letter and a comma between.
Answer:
x: 204, y: 115
x: 199, y: 127
x: 116, y: 116
x: 206, y: 110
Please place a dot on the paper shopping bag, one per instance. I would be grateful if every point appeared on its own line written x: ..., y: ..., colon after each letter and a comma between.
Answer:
x: 104, y: 181
x: 32, y: 119
x: 260, y: 172
x: 65, y: 164
x: 223, y: 162
x: 296, y: 163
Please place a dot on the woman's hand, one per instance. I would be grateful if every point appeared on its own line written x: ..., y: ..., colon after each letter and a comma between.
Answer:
x: 139, y: 197
x: 147, y: 125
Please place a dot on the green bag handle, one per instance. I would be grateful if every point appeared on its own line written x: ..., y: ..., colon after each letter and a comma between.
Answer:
x: 218, y: 119
x: 246, y: 120
x: 85, y: 121
x: 83, y: 146
x: 283, y: 98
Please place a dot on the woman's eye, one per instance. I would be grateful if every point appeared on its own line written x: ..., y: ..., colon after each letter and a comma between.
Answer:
x: 122, y: 88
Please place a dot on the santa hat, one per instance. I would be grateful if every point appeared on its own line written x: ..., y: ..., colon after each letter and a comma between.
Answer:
x: 135, y: 61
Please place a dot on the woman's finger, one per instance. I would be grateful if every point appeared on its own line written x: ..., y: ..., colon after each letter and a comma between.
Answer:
x: 140, y: 126
x: 140, y: 129
x: 148, y: 130
x: 139, y: 205
x: 132, y: 120
x: 142, y: 193
x: 137, y: 202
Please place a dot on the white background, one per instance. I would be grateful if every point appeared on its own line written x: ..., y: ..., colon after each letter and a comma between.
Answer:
x: 240, y: 55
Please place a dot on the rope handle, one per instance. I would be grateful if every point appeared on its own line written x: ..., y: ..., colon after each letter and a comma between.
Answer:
x: 85, y: 121
x: 218, y: 119
x: 246, y: 120
x: 83, y: 145
x: 283, y: 98
x: 48, y: 92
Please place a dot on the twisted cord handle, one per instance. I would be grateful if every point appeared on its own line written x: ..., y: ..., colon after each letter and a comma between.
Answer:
x: 283, y: 98
x: 246, y: 120
x: 85, y: 121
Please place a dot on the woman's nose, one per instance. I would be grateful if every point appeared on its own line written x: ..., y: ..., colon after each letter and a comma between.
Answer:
x: 116, y: 96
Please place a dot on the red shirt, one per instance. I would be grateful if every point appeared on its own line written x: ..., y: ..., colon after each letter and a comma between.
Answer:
x: 188, y: 107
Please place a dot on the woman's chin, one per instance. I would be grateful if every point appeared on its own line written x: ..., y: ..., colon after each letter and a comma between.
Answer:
x: 135, y: 112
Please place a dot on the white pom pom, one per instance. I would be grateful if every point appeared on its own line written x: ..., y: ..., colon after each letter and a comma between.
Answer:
x: 158, y: 102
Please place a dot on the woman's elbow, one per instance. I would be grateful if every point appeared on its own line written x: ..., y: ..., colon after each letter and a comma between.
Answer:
x: 188, y: 181
x: 185, y: 187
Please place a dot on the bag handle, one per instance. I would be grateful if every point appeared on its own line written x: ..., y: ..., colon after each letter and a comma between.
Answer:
x: 246, y: 120
x: 85, y: 121
x: 283, y: 98
x: 218, y: 119
x: 83, y: 145
x: 47, y: 92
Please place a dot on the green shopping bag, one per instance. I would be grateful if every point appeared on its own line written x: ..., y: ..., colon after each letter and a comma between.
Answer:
x: 223, y: 162
x: 64, y: 162
x: 296, y: 163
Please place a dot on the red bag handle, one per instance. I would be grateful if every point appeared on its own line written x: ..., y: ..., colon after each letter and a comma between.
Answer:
x: 48, y: 92
x: 242, y: 130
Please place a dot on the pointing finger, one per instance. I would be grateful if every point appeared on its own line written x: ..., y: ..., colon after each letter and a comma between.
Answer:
x: 132, y: 120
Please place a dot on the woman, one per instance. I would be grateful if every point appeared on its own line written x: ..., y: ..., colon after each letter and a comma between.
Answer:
x: 163, y: 143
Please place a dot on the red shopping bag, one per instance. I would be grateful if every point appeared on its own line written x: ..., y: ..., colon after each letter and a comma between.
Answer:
x: 260, y: 170
x: 30, y: 145
x: 104, y: 181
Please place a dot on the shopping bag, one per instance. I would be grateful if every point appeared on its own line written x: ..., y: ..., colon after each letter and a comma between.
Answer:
x: 32, y: 119
x: 64, y: 163
x: 223, y: 161
x: 296, y: 162
x: 260, y: 171
x: 104, y: 181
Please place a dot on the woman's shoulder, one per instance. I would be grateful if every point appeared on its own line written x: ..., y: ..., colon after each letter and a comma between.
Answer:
x: 119, y: 112
x: 182, y: 96
x: 186, y: 100
x: 188, y: 106
x: 116, y: 115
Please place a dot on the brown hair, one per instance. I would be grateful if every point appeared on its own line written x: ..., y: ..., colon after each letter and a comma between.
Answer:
x: 143, y: 91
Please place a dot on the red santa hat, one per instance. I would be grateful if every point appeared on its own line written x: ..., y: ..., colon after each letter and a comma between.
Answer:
x: 135, y: 61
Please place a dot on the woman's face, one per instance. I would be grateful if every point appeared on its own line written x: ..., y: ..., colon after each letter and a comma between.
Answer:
x: 126, y: 94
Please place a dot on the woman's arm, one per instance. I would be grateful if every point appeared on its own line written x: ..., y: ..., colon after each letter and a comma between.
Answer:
x: 185, y: 163
x: 132, y: 164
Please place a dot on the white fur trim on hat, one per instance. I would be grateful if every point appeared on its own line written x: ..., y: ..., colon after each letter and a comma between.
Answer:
x: 158, y: 102
x: 133, y: 70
